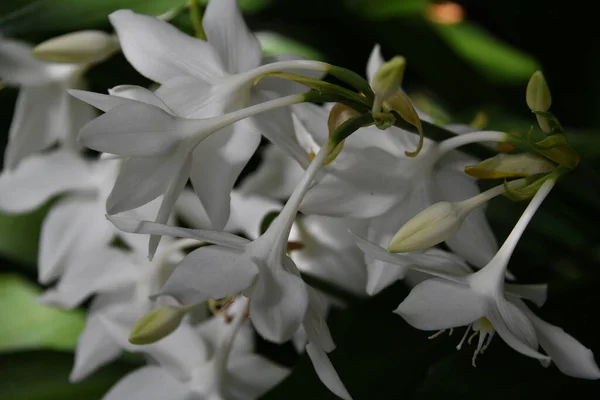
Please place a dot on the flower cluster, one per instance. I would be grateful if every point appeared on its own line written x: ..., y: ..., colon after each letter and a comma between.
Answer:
x: 362, y: 168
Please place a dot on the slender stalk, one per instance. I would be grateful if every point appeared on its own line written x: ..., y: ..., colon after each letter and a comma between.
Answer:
x: 468, y: 138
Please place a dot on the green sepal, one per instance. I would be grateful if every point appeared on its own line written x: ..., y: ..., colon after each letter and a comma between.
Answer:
x: 525, y: 192
x: 548, y: 122
x: 556, y: 148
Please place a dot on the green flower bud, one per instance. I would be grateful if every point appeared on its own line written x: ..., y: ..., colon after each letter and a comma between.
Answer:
x: 388, y: 78
x: 157, y: 324
x: 82, y: 47
x: 538, y: 94
x: 510, y: 166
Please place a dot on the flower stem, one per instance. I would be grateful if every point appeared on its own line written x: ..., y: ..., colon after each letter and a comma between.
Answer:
x: 468, y: 138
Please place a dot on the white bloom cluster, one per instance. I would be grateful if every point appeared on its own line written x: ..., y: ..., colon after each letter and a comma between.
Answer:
x: 215, y: 99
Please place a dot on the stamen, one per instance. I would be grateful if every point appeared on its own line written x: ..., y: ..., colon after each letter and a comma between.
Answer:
x: 475, y: 333
x: 438, y: 333
x: 463, y: 338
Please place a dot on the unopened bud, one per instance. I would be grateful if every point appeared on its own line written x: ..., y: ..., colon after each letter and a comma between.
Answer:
x: 510, y: 166
x: 339, y: 114
x: 81, y: 47
x: 157, y: 324
x: 538, y: 94
x: 429, y: 227
x: 388, y: 78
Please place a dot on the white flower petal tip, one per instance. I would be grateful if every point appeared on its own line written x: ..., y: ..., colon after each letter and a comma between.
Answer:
x: 326, y: 372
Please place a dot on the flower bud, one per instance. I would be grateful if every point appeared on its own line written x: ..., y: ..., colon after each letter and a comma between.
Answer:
x: 339, y: 114
x: 429, y: 227
x: 538, y: 94
x: 157, y: 324
x: 388, y: 78
x: 510, y: 166
x: 82, y: 47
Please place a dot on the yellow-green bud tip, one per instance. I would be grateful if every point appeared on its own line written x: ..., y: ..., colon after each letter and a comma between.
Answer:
x: 388, y: 78
x: 82, y: 47
x: 538, y: 93
x: 157, y: 324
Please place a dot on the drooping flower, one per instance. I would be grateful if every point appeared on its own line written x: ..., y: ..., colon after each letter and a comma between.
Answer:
x: 482, y: 300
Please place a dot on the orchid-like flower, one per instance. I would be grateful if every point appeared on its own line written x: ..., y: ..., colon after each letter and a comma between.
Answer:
x: 213, y: 361
x: 202, y: 79
x: 44, y: 114
x: 260, y: 269
x: 483, y: 301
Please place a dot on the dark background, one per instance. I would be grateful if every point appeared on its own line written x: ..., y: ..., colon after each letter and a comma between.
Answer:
x: 379, y: 356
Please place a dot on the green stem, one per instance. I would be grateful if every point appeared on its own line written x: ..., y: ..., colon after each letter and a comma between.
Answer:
x: 196, y: 17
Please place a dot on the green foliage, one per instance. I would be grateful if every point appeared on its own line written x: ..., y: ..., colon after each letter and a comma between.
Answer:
x: 19, y: 235
x: 385, y: 9
x: 29, y: 325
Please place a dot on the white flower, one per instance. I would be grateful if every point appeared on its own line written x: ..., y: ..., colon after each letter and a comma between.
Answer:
x: 204, y: 79
x: 44, y: 114
x: 452, y: 299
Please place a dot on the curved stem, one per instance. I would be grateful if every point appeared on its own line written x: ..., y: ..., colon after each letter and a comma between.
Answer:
x: 468, y: 138
x: 486, y: 196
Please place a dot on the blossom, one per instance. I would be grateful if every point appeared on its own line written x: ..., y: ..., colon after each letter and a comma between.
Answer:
x: 44, y: 114
x: 482, y: 300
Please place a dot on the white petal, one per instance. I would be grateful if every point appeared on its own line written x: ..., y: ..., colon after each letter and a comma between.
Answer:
x: 247, y: 213
x: 168, y: 201
x: 251, y: 376
x: 189, y: 208
x: 41, y: 118
x: 538, y: 293
x: 18, y: 66
x: 41, y: 177
x: 191, y: 97
x: 220, y: 238
x: 227, y: 32
x: 278, y: 303
x: 61, y: 230
x: 315, y: 324
x: 210, y: 272
x: 160, y: 52
x: 475, y: 240
x: 275, y: 177
x: 439, y: 304
x: 217, y: 163
x: 514, y: 328
x: 136, y: 129
x: 147, y: 383
x: 276, y: 125
x: 375, y: 62
x: 326, y: 372
x: 141, y: 180
x: 102, y: 102
x: 95, y: 348
x: 140, y: 94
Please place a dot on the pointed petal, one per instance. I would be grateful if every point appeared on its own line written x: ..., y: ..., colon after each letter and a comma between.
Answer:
x: 375, y: 62
x: 570, y: 356
x: 210, y: 272
x: 538, y: 293
x: 227, y: 32
x: 326, y: 372
x: 102, y: 102
x: 514, y: 328
x: 141, y: 180
x: 41, y: 118
x: 147, y: 383
x: 220, y: 238
x: 251, y: 376
x: 315, y: 324
x: 141, y: 94
x: 438, y: 304
x: 217, y: 163
x: 95, y: 348
x: 168, y: 201
x: 136, y: 129
x: 475, y: 240
x: 41, y: 177
x: 160, y: 52
x: 191, y: 97
x: 189, y: 208
x: 278, y: 303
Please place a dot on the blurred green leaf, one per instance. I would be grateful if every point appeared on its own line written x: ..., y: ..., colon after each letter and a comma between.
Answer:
x: 19, y: 235
x: 495, y: 59
x: 43, y: 375
x: 273, y: 44
x: 387, y: 9
x: 50, y: 16
x: 29, y: 325
x: 247, y: 6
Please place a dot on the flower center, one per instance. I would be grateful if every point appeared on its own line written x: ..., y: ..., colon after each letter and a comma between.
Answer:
x: 482, y: 327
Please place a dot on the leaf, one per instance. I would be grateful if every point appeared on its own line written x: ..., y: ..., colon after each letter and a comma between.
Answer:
x: 43, y: 375
x: 29, y: 325
x: 247, y: 6
x: 273, y: 44
x: 497, y: 60
x: 43, y: 17
x: 19, y: 235
x: 387, y: 9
